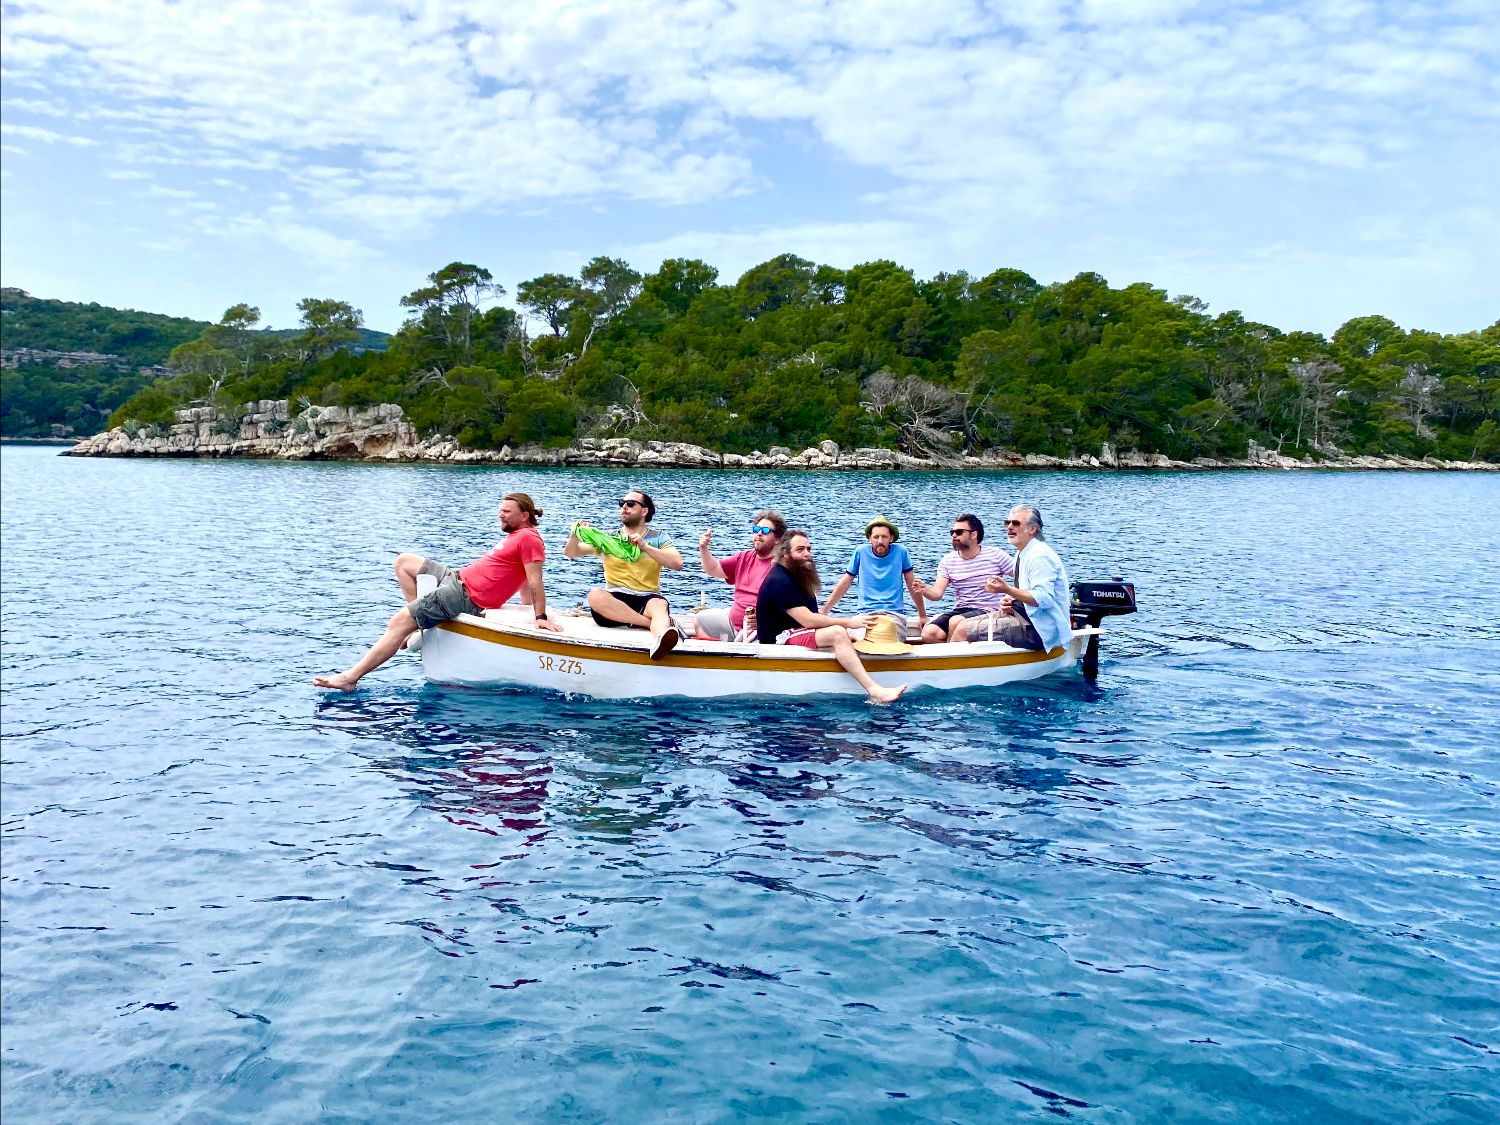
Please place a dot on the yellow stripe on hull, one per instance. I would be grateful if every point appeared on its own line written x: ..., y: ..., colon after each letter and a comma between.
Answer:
x: 470, y: 650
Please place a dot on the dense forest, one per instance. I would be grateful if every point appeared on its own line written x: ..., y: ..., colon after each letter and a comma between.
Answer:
x: 793, y: 352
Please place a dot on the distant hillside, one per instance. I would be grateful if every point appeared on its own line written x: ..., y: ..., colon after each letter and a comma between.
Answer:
x: 144, y: 339
x: 369, y: 339
x: 68, y: 365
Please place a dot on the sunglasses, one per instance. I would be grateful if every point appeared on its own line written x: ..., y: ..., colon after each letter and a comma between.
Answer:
x: 762, y: 529
x: 631, y: 504
x: 959, y: 530
x: 1014, y: 523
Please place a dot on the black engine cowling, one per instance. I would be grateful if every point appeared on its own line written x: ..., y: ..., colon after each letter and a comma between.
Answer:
x: 1092, y: 603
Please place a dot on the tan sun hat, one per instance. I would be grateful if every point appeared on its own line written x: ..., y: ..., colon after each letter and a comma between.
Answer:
x: 881, y: 639
x: 881, y: 521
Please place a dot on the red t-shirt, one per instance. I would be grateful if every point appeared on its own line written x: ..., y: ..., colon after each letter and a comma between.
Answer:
x: 494, y: 579
x: 746, y: 571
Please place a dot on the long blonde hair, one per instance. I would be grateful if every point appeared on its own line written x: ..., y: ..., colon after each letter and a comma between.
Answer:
x: 527, y: 505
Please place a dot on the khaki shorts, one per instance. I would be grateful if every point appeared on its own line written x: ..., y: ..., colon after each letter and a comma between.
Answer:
x: 446, y: 602
x: 1007, y: 628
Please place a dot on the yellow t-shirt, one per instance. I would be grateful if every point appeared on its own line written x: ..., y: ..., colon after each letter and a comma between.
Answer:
x: 640, y: 577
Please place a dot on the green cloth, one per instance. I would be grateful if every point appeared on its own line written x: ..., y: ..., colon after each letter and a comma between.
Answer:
x: 607, y: 544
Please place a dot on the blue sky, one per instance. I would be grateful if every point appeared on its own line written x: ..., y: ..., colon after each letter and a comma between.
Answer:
x: 1301, y: 162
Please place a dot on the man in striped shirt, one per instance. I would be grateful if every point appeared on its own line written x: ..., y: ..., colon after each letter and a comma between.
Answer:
x: 966, y: 568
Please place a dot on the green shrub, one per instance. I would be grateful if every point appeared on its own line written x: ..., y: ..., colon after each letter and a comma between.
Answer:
x: 148, y: 406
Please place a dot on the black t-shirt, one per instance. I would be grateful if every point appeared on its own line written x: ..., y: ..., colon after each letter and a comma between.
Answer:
x: 778, y: 593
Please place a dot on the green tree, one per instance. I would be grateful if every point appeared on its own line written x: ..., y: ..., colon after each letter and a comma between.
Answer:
x: 327, y: 326
x: 445, y: 309
x: 236, y: 334
x: 551, y: 297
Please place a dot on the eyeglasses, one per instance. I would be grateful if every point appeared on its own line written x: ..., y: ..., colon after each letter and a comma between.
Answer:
x: 762, y: 529
x: 959, y: 530
x: 1014, y: 523
x: 631, y: 504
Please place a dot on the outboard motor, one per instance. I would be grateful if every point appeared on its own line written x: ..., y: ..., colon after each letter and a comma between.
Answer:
x: 1092, y: 603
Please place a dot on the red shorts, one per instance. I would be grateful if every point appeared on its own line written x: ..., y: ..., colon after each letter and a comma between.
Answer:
x: 802, y: 638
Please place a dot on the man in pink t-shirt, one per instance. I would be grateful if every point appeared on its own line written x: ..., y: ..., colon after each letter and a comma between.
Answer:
x: 487, y: 583
x: 744, y: 571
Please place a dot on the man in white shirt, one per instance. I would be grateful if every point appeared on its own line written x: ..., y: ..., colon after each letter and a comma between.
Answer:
x: 1033, y: 612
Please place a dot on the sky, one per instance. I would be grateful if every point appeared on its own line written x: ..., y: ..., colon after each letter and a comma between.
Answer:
x: 1301, y: 162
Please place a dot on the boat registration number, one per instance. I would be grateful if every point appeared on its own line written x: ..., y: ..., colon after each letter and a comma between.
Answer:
x: 562, y: 665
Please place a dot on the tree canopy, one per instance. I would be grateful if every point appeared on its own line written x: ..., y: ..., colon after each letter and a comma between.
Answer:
x: 793, y: 352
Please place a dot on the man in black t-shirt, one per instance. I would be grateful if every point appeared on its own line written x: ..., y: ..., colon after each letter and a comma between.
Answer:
x: 787, y: 614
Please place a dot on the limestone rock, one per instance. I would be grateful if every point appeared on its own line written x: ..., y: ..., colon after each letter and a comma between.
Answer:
x: 272, y: 429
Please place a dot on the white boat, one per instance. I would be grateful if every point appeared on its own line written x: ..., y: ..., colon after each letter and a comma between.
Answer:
x: 504, y: 647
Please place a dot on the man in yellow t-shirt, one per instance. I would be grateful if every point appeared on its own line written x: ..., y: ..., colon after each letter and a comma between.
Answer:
x: 631, y: 594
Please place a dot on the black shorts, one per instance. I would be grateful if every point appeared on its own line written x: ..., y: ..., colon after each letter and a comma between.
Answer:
x: 944, y: 620
x: 636, y: 602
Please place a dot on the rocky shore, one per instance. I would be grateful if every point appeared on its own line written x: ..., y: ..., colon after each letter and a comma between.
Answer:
x: 270, y: 430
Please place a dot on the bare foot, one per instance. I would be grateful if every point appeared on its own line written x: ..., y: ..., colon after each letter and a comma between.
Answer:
x: 887, y: 695
x: 340, y: 681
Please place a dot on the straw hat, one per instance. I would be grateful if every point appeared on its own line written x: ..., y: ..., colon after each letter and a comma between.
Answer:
x: 881, y: 639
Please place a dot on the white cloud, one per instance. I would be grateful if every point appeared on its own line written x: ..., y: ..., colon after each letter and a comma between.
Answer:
x: 156, y: 191
x: 377, y: 123
x: 48, y: 136
x: 35, y: 105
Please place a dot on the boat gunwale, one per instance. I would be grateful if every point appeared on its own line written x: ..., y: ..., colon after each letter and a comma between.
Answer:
x: 781, y: 658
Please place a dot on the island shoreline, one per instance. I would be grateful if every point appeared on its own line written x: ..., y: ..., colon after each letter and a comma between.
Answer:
x: 268, y: 431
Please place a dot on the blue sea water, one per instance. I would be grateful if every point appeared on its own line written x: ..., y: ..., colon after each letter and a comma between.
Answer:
x: 1250, y: 875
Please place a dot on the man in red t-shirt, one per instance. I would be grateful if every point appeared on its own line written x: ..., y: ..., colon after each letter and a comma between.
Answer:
x: 744, y: 571
x: 487, y: 583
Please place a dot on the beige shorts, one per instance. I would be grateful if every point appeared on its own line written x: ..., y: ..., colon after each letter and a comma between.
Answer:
x: 1007, y: 628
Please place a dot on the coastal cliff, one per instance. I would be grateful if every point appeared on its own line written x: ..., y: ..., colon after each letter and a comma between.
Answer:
x: 269, y: 430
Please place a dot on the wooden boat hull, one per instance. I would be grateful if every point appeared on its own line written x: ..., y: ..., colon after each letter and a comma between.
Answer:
x: 615, y: 663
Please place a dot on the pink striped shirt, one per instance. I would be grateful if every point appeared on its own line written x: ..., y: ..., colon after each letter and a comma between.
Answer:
x: 967, y: 576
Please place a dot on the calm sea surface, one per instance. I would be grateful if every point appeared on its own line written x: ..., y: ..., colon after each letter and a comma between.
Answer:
x: 1252, y: 875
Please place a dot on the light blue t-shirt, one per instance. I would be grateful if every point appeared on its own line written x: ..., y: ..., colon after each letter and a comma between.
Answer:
x: 1039, y: 570
x: 880, y: 579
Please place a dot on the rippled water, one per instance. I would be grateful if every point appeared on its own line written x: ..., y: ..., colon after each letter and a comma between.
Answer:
x: 1249, y: 876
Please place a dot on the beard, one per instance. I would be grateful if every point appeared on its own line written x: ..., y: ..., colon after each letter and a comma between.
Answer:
x: 805, y: 574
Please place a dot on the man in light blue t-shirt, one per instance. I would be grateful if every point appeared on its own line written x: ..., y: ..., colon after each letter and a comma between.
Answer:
x: 883, y: 568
